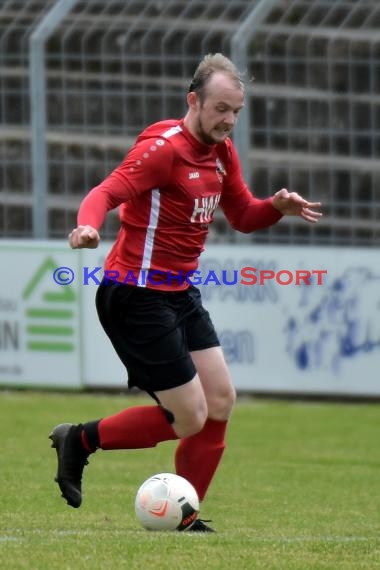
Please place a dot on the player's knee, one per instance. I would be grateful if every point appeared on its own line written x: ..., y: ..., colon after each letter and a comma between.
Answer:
x: 192, y: 423
x: 220, y: 404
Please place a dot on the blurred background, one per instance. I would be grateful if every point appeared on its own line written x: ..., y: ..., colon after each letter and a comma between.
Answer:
x: 79, y: 79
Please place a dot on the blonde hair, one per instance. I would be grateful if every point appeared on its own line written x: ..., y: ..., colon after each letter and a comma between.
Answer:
x: 210, y: 64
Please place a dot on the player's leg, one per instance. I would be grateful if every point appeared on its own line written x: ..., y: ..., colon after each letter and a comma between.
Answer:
x: 146, y: 329
x: 216, y: 382
x: 146, y: 338
x: 198, y: 456
x: 188, y: 405
x: 182, y: 412
x: 136, y: 427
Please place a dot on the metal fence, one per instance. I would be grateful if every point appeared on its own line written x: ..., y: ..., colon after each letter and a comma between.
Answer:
x: 79, y: 94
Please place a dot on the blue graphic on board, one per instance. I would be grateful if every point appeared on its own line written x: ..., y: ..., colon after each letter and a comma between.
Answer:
x: 344, y: 323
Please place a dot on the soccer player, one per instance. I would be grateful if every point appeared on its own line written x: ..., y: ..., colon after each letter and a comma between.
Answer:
x: 168, y: 187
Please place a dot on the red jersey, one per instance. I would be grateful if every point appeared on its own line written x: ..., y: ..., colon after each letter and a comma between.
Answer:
x: 168, y: 187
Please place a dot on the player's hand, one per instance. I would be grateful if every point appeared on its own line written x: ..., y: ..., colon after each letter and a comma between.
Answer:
x: 292, y: 204
x: 84, y: 236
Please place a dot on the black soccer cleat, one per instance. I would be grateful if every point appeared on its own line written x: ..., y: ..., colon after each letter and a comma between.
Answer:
x: 200, y: 526
x: 72, y: 459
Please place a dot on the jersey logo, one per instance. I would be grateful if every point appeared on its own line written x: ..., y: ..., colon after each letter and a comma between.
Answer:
x: 204, y: 209
x: 193, y: 175
x: 220, y: 170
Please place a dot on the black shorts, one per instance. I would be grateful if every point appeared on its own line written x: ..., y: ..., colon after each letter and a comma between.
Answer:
x: 154, y: 331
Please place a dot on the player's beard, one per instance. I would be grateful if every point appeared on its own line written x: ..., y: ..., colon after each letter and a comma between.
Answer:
x: 206, y: 137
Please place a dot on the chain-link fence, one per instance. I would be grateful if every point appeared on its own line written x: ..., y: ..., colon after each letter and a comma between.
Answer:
x: 111, y: 67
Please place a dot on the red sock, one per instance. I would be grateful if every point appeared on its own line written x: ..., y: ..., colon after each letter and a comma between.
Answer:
x: 135, y: 428
x: 198, y: 456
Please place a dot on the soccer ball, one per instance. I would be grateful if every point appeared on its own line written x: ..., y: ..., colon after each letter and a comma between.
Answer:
x: 166, y: 502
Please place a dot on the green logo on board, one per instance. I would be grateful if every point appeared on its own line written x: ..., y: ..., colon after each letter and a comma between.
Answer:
x: 49, y: 312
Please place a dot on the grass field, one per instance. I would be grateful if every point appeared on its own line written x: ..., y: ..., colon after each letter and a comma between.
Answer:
x: 298, y: 489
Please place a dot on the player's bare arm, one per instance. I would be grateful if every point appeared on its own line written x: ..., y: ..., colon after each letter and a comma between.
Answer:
x: 84, y: 237
x: 292, y: 204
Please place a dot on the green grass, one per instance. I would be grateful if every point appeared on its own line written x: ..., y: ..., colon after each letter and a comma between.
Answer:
x: 298, y: 489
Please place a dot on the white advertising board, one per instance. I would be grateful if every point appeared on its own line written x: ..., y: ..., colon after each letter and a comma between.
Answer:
x: 101, y: 365
x: 318, y: 338
x: 39, y: 320
x: 311, y: 326
x: 308, y: 339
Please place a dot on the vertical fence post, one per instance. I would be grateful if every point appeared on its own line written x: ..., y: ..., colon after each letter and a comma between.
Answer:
x: 239, y: 48
x: 37, y: 89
